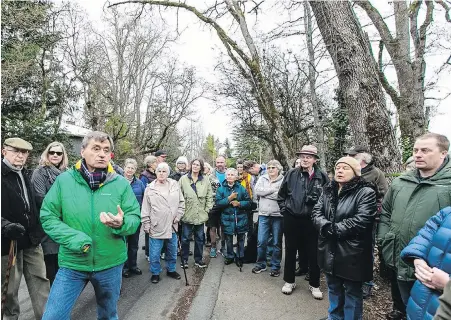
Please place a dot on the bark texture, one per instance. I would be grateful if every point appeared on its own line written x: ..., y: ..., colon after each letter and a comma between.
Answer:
x: 358, y: 80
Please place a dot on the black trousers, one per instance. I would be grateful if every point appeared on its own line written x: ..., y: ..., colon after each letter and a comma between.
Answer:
x: 51, y: 266
x: 300, y: 231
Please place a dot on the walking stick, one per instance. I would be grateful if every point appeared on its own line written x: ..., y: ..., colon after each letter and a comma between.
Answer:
x: 239, y: 264
x: 179, y: 243
x: 11, y: 262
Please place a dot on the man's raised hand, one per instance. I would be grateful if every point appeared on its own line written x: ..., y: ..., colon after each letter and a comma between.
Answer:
x: 113, y: 221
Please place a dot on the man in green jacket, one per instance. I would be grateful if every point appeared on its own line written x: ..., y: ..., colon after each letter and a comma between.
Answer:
x: 411, y: 200
x: 77, y: 214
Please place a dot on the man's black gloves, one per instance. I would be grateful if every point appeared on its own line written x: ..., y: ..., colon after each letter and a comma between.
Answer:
x: 329, y: 232
x: 13, y: 231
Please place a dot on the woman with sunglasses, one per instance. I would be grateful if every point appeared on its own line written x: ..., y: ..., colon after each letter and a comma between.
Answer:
x: 53, y: 161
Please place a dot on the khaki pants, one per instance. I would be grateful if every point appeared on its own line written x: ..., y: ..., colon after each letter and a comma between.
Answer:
x: 30, y: 264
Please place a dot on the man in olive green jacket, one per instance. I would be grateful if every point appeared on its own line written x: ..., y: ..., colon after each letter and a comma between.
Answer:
x: 411, y: 200
x: 77, y: 214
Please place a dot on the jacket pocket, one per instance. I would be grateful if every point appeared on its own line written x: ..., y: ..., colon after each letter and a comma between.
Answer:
x: 389, y: 249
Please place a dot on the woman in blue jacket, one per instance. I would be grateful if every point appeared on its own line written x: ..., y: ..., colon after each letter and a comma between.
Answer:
x: 430, y: 253
x: 233, y: 200
x: 130, y: 266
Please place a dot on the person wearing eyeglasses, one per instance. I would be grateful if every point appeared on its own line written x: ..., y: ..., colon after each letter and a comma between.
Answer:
x: 53, y: 161
x: 301, y: 188
x: 21, y: 232
x: 89, y: 211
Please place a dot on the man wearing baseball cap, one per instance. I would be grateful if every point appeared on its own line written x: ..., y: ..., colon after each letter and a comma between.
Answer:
x: 21, y: 232
x: 298, y: 194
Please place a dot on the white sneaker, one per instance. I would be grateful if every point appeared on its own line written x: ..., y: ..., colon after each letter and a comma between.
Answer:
x: 288, y: 288
x: 316, y: 293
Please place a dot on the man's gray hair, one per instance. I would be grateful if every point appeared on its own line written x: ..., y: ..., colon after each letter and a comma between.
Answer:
x: 232, y: 170
x: 149, y: 160
x: 368, y: 158
x: 97, y: 136
x: 162, y: 165
x: 275, y: 163
x: 131, y: 161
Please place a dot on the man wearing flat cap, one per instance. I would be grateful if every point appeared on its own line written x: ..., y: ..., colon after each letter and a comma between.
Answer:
x: 21, y: 232
x: 298, y: 194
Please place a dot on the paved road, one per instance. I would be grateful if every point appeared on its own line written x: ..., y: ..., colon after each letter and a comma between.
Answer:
x: 140, y: 299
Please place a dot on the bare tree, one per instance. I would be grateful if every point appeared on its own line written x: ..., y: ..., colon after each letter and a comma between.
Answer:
x: 358, y: 80
x: 409, y: 96
x: 247, y: 59
x: 312, y: 75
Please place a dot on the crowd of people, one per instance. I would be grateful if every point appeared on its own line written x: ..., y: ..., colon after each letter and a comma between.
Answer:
x: 65, y: 226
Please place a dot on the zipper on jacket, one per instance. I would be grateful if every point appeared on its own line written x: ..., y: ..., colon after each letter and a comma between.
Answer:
x: 93, y: 230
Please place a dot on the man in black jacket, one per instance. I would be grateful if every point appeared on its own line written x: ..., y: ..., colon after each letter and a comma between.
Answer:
x: 22, y: 231
x: 300, y: 190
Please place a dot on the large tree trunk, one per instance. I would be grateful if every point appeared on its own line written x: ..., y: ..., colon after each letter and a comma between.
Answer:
x: 409, y: 98
x: 358, y: 80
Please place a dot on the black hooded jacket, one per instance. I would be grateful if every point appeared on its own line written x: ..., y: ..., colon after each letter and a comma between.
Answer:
x: 16, y: 210
x: 298, y: 194
x: 347, y: 253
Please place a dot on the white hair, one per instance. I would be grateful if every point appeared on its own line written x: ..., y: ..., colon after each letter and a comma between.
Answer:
x: 364, y: 156
x: 149, y: 160
x: 162, y: 165
x: 232, y: 170
x: 131, y: 161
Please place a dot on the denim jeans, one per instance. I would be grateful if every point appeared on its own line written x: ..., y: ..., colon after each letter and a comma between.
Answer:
x: 345, y: 298
x: 170, y: 256
x: 229, y: 245
x: 199, y: 238
x: 70, y: 283
x: 30, y: 265
x: 132, y: 250
x: 267, y: 226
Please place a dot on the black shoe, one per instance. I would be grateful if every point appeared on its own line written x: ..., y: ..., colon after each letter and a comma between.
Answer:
x: 366, y: 289
x: 190, y: 253
x: 228, y: 261
x: 184, y: 264
x: 136, y: 271
x: 307, y: 277
x: 143, y: 247
x: 274, y: 273
x: 208, y: 244
x: 173, y: 275
x: 200, y: 264
x: 235, y: 245
x: 155, y: 278
x: 126, y: 273
x: 300, y: 272
x: 395, y: 315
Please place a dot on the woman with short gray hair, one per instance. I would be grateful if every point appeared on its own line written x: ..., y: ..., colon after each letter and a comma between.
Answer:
x: 130, y: 266
x: 232, y: 199
x: 269, y: 218
x: 147, y: 176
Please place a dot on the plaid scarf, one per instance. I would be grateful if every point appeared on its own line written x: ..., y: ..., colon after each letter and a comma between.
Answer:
x: 94, y: 179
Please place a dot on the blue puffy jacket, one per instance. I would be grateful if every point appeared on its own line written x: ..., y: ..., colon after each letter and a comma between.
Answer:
x: 433, y: 245
x: 228, y: 211
x: 138, y: 189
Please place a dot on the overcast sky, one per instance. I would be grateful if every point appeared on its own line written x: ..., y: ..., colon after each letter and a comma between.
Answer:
x: 199, y: 46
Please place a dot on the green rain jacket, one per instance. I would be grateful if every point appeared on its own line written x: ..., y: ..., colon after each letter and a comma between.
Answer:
x: 408, y: 204
x: 70, y: 215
